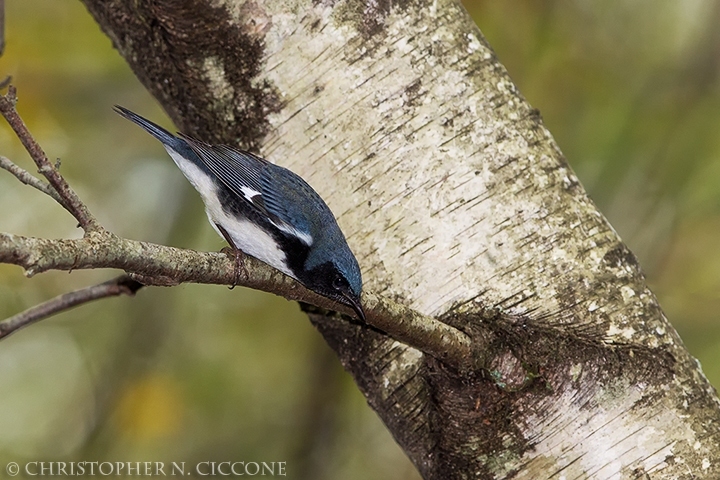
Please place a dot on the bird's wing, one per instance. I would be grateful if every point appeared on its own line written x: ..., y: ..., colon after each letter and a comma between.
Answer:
x: 250, y: 178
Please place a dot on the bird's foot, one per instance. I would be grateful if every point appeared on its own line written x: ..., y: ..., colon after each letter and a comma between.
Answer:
x: 239, y: 264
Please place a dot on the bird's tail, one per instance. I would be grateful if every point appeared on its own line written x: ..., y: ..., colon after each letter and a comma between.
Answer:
x: 153, y: 129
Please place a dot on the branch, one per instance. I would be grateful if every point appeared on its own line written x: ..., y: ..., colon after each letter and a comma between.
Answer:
x: 28, y: 179
x: 152, y: 264
x: 72, y: 202
x: 427, y: 334
x: 122, y: 285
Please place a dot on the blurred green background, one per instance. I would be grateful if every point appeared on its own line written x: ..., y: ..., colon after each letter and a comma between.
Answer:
x: 201, y: 373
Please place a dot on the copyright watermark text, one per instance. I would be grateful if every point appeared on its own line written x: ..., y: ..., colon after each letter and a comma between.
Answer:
x: 147, y: 469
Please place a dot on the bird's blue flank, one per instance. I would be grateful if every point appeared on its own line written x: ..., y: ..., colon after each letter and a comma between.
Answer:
x: 167, y: 138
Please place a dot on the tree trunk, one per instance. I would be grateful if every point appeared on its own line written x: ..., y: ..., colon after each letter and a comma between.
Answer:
x: 457, y: 203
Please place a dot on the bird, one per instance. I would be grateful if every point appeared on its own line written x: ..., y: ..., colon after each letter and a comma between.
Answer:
x: 268, y: 212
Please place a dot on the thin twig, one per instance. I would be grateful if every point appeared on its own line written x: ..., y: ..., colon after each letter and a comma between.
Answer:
x: 29, y: 179
x: 121, y: 285
x: 72, y: 202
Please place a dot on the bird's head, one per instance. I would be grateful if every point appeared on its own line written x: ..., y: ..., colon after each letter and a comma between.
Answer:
x: 337, y: 278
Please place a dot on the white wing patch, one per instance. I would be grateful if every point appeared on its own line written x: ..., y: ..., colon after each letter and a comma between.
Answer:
x: 305, y: 238
x: 249, y: 193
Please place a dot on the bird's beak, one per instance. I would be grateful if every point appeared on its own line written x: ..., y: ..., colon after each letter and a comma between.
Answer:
x: 354, y: 303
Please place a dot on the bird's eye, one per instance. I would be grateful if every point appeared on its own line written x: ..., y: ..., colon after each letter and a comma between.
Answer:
x: 338, y: 283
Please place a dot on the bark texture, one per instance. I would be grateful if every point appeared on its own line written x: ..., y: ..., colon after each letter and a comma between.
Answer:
x: 457, y: 203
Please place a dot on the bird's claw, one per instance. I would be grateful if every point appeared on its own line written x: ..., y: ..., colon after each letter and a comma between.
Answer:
x: 239, y: 264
